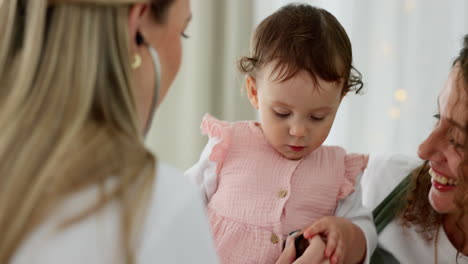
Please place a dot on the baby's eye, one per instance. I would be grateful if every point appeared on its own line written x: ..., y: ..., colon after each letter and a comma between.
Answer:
x: 317, y: 118
x: 281, y: 114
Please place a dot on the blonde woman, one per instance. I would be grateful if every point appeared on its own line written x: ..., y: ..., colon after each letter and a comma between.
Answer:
x: 79, y: 80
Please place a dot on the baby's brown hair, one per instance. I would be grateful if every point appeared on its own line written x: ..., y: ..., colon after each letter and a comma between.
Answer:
x: 302, y: 37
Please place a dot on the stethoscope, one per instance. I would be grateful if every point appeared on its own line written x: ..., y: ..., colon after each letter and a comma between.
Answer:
x: 157, y: 81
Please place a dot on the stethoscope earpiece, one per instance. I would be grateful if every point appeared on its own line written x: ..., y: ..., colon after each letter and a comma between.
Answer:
x: 157, y: 79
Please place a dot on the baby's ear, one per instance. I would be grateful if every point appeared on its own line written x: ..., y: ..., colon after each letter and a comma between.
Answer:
x: 252, y: 92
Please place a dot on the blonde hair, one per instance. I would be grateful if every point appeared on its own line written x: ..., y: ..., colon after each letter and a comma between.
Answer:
x: 68, y: 115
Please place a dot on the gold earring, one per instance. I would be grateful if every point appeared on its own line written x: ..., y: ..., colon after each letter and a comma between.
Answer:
x: 136, y: 61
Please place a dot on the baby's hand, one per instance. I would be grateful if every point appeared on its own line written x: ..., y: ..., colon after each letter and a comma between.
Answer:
x: 339, y: 234
x: 313, y: 254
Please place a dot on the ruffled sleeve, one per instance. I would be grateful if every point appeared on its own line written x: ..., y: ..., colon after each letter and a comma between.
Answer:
x: 219, y: 130
x: 205, y: 172
x: 354, y: 166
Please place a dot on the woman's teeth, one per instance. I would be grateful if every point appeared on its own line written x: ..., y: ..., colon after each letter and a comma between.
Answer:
x: 442, y: 179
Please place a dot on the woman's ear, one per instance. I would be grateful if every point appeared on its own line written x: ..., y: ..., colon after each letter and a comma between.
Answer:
x: 135, y: 17
x: 252, y: 92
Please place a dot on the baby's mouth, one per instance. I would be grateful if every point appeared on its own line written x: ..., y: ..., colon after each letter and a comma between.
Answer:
x: 296, y: 148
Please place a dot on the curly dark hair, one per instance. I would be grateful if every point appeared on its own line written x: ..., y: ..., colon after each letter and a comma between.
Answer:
x: 417, y: 210
x: 302, y: 37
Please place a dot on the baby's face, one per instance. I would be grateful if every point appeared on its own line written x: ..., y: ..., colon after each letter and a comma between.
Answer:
x: 296, y: 115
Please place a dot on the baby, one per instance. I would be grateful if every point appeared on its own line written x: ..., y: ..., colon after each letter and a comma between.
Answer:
x: 264, y: 180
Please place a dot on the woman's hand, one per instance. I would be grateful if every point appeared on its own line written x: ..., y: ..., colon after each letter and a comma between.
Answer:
x: 312, y: 255
x: 345, y: 242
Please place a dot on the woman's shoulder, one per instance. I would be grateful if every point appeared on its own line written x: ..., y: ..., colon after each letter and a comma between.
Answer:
x: 96, y: 236
x: 173, y: 194
x: 173, y: 187
x: 176, y: 229
x: 382, y: 175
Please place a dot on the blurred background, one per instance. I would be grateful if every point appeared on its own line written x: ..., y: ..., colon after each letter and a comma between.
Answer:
x: 403, y: 48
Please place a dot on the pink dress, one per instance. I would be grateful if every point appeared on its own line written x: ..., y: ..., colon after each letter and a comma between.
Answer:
x: 260, y: 196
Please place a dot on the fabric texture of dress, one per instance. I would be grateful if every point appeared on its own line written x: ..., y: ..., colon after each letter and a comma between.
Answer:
x: 256, y: 197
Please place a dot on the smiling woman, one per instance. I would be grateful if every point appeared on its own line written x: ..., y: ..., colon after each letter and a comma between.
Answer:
x: 432, y: 224
x: 444, y: 147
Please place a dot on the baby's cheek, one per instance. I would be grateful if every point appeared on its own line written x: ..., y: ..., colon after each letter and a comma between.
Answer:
x: 320, y: 134
x: 270, y: 132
